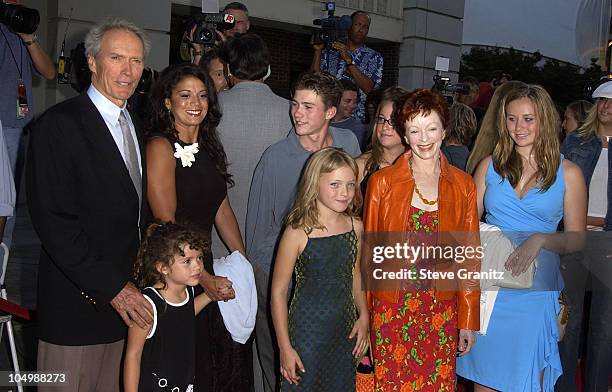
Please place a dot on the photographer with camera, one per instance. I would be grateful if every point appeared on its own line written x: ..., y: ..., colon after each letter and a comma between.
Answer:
x: 241, y: 19
x: 21, y: 53
x: 240, y: 25
x: 352, y: 60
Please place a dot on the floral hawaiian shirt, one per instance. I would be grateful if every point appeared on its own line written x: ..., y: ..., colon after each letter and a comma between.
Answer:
x: 369, y: 62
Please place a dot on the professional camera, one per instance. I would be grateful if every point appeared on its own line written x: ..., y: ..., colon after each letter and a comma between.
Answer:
x: 443, y: 85
x: 18, y: 18
x: 206, y: 24
x: 333, y: 28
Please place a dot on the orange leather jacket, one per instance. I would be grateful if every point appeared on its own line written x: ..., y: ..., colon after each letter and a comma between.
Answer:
x: 387, y: 202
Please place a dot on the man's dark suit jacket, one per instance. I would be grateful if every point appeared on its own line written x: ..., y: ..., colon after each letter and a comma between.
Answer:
x: 85, y: 210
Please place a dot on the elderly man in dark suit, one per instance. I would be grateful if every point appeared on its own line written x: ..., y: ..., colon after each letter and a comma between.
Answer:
x: 86, y: 182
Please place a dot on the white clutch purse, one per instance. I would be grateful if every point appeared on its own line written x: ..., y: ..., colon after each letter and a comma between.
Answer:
x: 497, y: 249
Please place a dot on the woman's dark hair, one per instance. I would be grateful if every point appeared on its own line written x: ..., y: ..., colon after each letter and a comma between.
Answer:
x: 389, y: 95
x: 161, y: 119
x: 161, y: 243
x: 247, y: 56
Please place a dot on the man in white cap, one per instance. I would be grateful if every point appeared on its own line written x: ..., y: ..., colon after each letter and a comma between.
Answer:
x: 588, y: 148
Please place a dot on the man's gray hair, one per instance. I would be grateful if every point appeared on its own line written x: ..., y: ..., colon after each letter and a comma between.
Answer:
x: 93, y: 39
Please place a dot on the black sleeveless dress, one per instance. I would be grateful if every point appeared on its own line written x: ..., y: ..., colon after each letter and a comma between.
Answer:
x: 165, y: 364
x: 221, y: 363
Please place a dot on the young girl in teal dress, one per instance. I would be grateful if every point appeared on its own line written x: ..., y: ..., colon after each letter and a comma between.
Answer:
x: 326, y: 327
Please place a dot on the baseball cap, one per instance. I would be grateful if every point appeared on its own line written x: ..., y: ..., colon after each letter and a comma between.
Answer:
x: 603, y: 91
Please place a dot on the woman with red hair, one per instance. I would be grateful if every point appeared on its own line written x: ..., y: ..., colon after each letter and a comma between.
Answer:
x: 419, y: 325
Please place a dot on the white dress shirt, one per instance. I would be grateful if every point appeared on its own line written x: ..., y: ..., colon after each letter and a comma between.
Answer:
x: 110, y: 113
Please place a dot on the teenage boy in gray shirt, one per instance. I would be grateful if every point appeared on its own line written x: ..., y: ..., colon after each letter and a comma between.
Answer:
x: 313, y: 106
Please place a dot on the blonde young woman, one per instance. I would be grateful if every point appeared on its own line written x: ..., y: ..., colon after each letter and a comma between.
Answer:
x: 526, y: 188
x: 588, y: 148
x: 575, y: 115
x: 386, y: 143
x: 487, y: 136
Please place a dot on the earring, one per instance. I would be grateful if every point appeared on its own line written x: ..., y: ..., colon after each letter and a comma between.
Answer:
x: 406, y: 139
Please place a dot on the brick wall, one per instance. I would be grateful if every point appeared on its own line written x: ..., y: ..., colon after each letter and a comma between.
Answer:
x: 291, y: 54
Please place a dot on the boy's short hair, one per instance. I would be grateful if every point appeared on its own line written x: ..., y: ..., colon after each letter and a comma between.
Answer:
x: 347, y: 85
x: 236, y: 5
x: 323, y: 84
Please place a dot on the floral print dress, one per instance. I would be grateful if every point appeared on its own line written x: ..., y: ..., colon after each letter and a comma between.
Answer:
x: 415, y: 341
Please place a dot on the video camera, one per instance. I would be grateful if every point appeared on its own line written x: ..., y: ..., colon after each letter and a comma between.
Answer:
x: 18, y: 18
x: 443, y: 85
x: 206, y: 26
x: 333, y: 28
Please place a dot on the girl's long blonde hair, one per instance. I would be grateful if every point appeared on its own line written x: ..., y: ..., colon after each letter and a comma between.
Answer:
x: 591, y: 124
x: 304, y: 213
x: 507, y: 161
x: 488, y: 134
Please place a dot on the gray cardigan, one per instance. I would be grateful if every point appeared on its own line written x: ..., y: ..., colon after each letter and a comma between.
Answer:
x: 274, y: 188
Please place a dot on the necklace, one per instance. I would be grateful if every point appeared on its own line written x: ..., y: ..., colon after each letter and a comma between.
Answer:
x: 424, y: 200
x: 418, y: 192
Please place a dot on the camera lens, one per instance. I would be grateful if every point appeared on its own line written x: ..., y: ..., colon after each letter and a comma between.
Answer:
x: 19, y: 18
x: 207, y: 35
x: 324, y: 36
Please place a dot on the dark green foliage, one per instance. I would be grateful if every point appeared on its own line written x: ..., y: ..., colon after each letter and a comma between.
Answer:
x: 564, y: 82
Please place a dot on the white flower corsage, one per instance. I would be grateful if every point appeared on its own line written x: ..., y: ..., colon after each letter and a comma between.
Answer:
x: 187, y: 153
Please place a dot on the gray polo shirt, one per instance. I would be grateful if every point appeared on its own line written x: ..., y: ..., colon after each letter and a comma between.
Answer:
x: 273, y: 190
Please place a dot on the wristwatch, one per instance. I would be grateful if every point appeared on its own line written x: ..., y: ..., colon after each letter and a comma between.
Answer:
x: 349, y: 63
x: 34, y: 39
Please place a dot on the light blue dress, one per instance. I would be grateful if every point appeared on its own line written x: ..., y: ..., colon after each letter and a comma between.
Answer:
x: 522, y: 336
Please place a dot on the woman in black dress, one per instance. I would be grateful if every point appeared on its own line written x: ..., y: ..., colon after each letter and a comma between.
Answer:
x: 187, y: 181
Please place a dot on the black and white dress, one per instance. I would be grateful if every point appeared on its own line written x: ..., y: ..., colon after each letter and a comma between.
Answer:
x: 168, y: 356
